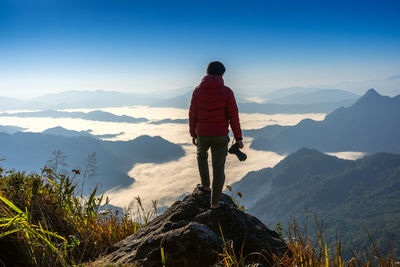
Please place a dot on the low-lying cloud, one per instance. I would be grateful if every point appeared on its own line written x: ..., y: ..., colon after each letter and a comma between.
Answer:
x: 168, y: 181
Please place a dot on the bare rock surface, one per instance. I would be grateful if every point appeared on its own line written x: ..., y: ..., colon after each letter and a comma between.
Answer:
x: 190, y: 233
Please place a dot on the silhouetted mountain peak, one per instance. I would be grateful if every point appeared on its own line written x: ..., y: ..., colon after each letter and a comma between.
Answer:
x: 300, y: 155
x: 305, y: 151
x: 55, y: 128
x: 372, y: 92
x: 370, y: 125
x: 370, y: 97
x: 10, y: 129
x: 58, y: 130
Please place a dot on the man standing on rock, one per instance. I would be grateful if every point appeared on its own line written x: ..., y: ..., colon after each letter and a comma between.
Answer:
x: 212, y: 108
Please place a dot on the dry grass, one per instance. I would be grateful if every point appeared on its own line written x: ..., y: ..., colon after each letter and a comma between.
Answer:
x: 305, y: 252
x: 47, y: 224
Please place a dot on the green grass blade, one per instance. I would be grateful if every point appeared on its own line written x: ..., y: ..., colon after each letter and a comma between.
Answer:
x: 162, y: 256
x: 326, y: 255
x: 10, y: 232
x: 12, y: 206
x: 52, y: 234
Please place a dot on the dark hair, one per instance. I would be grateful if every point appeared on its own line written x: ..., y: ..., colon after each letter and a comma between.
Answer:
x: 216, y: 68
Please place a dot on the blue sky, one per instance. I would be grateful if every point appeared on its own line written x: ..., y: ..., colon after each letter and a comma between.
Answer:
x: 141, y: 46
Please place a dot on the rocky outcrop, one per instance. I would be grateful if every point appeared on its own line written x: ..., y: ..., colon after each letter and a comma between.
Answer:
x: 190, y: 234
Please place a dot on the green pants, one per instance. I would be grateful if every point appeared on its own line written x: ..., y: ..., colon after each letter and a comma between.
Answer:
x: 219, y: 148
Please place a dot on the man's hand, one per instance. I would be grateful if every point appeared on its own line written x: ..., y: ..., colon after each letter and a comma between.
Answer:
x: 194, y: 141
x: 240, y: 142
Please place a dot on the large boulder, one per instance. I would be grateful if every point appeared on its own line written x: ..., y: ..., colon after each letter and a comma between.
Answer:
x: 190, y: 233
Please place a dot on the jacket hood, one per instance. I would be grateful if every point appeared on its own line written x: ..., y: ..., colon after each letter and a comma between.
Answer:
x: 211, y: 81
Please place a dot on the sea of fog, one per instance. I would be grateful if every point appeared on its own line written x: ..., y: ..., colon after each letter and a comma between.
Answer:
x: 169, y: 181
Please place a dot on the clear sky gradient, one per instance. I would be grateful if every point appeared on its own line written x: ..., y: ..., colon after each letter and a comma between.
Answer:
x: 140, y: 46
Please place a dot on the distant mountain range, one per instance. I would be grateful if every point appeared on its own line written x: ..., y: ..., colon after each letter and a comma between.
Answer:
x: 165, y: 121
x: 94, y: 99
x: 321, y: 101
x: 71, y: 133
x: 31, y: 151
x: 272, y: 108
x: 89, y: 99
x: 96, y: 115
x: 315, y: 97
x: 370, y: 125
x: 341, y: 95
x: 59, y: 131
x: 287, y: 101
x: 181, y: 101
x: 79, y: 99
x: 346, y: 195
x: 283, y: 92
x: 389, y: 86
x: 10, y: 129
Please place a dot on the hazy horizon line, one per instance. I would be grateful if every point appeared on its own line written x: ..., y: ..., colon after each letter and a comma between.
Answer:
x: 183, y: 88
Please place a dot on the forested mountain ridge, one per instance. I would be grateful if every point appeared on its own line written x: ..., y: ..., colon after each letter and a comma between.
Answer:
x: 32, y: 151
x: 369, y: 125
x: 348, y: 196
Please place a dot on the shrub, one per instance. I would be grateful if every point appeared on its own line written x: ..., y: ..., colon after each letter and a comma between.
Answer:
x: 44, y: 222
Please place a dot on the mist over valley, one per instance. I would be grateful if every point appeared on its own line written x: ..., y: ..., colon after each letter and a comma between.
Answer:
x: 179, y: 175
x: 59, y: 128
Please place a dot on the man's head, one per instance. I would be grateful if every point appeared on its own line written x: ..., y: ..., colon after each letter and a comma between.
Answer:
x: 216, y: 68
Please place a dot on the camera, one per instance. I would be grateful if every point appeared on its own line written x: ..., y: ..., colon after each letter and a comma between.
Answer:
x: 234, y: 149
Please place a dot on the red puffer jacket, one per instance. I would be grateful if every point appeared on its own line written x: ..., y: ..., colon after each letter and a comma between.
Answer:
x: 212, y: 108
